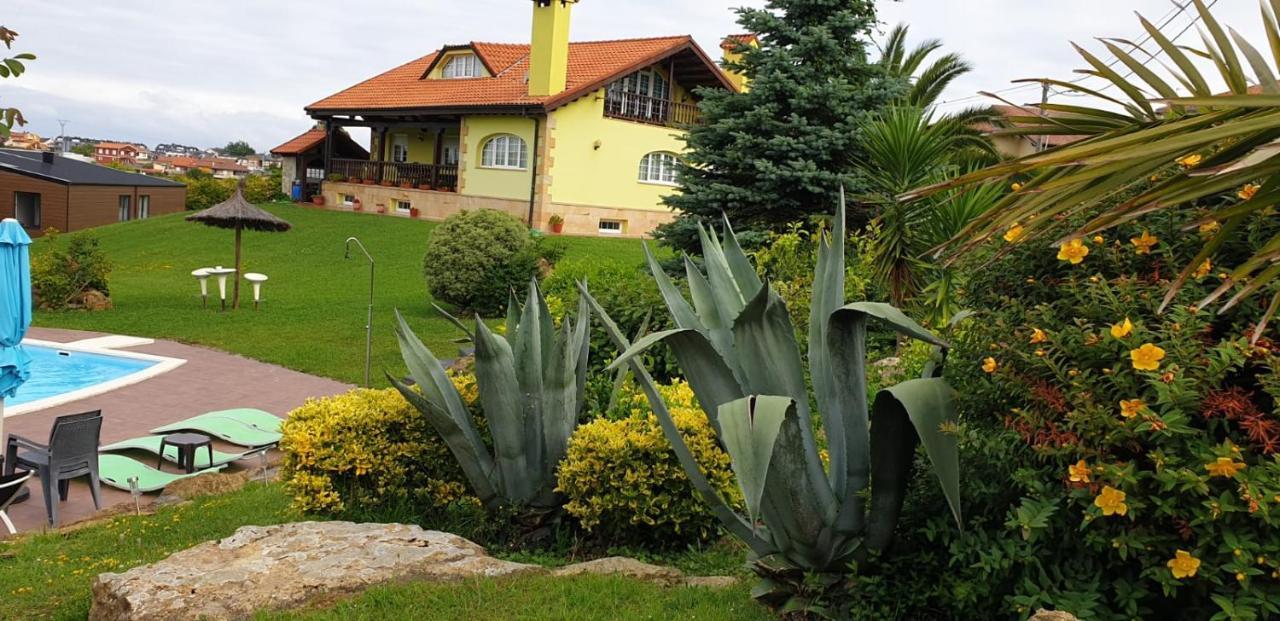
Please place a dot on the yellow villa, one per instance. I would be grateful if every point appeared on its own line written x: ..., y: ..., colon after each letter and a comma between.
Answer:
x: 583, y: 134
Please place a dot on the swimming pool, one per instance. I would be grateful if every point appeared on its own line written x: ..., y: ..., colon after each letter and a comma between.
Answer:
x: 62, y: 374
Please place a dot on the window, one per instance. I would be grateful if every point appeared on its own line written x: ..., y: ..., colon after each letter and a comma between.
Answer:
x: 645, y: 95
x: 144, y: 207
x: 124, y: 208
x: 26, y: 207
x: 348, y: 200
x: 400, y: 148
x: 505, y: 151
x: 461, y: 66
x: 403, y: 206
x: 658, y: 167
x: 611, y: 227
x: 450, y: 152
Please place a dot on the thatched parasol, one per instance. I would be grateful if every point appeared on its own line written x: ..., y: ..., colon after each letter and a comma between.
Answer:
x: 239, y: 214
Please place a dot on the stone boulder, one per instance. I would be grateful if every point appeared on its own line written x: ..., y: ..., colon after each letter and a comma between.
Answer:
x: 1052, y: 615
x: 288, y: 566
x: 623, y: 566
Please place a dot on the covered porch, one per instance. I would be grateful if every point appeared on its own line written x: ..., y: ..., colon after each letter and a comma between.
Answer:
x: 406, y: 151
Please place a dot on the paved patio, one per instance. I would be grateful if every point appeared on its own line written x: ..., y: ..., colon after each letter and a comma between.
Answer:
x: 210, y: 380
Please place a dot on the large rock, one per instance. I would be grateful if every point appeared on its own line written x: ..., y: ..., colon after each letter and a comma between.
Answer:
x: 623, y: 566
x: 287, y: 566
x: 1052, y: 615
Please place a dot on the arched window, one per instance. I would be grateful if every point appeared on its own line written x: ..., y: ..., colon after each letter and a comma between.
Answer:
x: 658, y: 167
x: 461, y: 66
x: 505, y: 151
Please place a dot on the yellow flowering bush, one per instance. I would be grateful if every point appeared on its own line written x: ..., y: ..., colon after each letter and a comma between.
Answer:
x: 623, y: 481
x: 363, y: 450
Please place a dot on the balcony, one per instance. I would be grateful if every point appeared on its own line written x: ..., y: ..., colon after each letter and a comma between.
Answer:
x: 650, y: 110
x: 404, y: 174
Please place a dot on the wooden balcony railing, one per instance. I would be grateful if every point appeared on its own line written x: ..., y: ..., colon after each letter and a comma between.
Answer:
x: 435, y: 176
x: 644, y: 109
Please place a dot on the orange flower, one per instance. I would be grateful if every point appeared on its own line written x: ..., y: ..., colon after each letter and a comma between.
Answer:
x: 1147, y: 357
x: 1205, y: 267
x: 1014, y: 233
x: 1111, y: 501
x: 1144, y: 242
x: 1190, y: 161
x: 1207, y: 229
x: 1183, y: 565
x: 1248, y: 191
x: 989, y: 365
x: 1122, y: 329
x: 1038, y: 336
x: 1130, y: 408
x: 1073, y: 251
x: 1078, y: 472
x: 1224, y: 467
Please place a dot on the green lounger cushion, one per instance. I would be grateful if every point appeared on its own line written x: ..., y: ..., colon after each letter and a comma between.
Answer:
x: 151, y: 444
x: 116, y: 470
x: 252, y: 417
x: 226, y: 429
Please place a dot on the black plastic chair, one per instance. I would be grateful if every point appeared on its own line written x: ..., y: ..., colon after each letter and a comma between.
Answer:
x: 72, y: 452
x: 10, y: 485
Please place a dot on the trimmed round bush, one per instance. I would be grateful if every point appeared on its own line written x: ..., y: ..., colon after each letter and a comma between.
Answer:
x: 468, y: 259
x: 624, y: 483
x: 364, y: 450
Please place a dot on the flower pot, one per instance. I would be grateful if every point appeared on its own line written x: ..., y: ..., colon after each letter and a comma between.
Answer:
x: 318, y: 199
x: 369, y: 182
x: 424, y: 186
x: 353, y: 179
x: 387, y: 184
x: 557, y: 228
x: 406, y: 185
x: 413, y: 212
x: 382, y: 208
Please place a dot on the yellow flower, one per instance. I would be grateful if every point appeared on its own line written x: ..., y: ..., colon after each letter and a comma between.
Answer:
x: 1078, y: 472
x: 1129, y: 408
x: 1224, y: 467
x: 1038, y: 336
x: 1040, y: 352
x: 1205, y: 267
x: 1147, y: 357
x: 989, y: 365
x: 1016, y: 187
x: 1121, y: 330
x: 1183, y: 565
x: 1209, y: 228
x: 1073, y: 251
x: 1098, y: 239
x: 1144, y: 242
x: 1248, y: 191
x: 1014, y: 233
x: 1111, y: 501
x: 1190, y: 161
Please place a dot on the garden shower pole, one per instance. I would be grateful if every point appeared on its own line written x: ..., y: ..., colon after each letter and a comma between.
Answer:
x: 368, y: 326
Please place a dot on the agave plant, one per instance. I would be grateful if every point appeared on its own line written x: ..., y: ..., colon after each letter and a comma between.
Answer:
x: 737, y: 348
x: 531, y: 382
x: 1150, y: 123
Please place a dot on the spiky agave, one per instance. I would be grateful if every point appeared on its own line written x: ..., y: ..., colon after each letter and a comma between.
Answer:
x: 531, y: 382
x: 737, y: 348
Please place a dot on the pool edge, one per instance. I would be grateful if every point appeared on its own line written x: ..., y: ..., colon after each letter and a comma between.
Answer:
x: 163, y: 365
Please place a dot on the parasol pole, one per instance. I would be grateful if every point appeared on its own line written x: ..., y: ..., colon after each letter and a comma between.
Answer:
x: 235, y: 295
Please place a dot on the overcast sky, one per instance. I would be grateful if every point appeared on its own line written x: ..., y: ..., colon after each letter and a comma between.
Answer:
x: 204, y: 73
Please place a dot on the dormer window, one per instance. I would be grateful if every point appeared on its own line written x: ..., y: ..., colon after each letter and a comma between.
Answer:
x: 461, y: 66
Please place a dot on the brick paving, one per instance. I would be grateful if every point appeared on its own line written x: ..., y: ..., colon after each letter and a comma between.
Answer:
x: 210, y: 380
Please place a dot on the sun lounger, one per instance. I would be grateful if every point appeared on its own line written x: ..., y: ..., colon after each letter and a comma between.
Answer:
x: 252, y: 417
x: 151, y: 444
x: 226, y: 429
x: 116, y: 470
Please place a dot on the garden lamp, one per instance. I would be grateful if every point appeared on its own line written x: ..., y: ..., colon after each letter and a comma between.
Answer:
x: 368, y: 326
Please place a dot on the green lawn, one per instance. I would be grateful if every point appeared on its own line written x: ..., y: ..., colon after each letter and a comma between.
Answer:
x: 313, y: 317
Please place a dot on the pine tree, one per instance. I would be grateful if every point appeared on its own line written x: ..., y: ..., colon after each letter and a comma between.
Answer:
x: 780, y: 151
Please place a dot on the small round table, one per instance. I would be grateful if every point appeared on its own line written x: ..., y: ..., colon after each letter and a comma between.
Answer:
x: 187, y: 445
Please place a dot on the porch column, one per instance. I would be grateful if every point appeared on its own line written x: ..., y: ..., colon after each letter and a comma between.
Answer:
x: 382, y: 153
x: 328, y: 147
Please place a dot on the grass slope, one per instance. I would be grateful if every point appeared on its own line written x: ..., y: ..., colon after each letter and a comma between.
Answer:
x: 313, y: 315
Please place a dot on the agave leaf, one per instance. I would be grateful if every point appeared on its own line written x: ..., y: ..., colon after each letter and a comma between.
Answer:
x: 681, y: 312
x: 751, y: 427
x: 531, y: 346
x: 743, y: 272
x: 513, y: 314
x: 907, y: 414
x: 713, y: 316
x: 709, y: 376
x: 828, y: 295
x: 456, y: 322
x: 559, y: 399
x: 729, y: 299
x: 582, y: 341
x: 504, y: 407
x: 730, y: 519
x: 891, y: 317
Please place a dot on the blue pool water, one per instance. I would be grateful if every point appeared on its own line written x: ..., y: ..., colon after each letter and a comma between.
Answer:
x: 55, y: 372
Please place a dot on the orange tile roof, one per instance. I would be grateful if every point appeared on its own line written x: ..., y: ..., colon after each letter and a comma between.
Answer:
x: 591, y: 65
x: 302, y: 143
x: 117, y: 145
x: 183, y: 161
x: 1051, y: 140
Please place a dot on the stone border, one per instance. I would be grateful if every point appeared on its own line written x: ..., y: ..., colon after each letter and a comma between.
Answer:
x: 163, y: 364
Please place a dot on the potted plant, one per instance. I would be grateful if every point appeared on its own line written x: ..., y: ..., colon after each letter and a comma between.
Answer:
x: 424, y: 186
x: 356, y: 205
x: 387, y: 183
x: 557, y: 223
x: 414, y: 212
x: 407, y: 185
x: 353, y: 179
x: 382, y: 208
x: 336, y: 177
x: 318, y: 199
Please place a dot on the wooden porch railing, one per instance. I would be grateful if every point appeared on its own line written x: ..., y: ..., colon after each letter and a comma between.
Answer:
x: 436, y: 176
x: 644, y: 109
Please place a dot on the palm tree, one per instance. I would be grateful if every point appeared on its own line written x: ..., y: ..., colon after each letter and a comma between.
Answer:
x: 1224, y: 141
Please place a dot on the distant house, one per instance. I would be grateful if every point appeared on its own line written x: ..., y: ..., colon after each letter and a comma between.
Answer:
x: 44, y: 190
x: 116, y: 152
x: 302, y: 159
x: 26, y: 140
x: 220, y: 167
x: 1010, y: 145
x: 174, y: 149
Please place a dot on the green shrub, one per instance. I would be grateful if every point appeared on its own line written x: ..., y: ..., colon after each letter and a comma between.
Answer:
x: 474, y: 258
x: 625, y: 485
x: 363, y: 450
x: 60, y: 277
x: 263, y: 188
x: 204, y: 191
x: 1106, y: 479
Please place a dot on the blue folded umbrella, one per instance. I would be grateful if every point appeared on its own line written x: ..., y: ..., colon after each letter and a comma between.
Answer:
x: 15, y: 305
